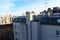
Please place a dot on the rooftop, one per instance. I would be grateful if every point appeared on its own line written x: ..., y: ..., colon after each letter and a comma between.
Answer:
x: 20, y: 19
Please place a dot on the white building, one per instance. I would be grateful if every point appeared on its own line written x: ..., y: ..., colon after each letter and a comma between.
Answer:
x: 19, y: 28
x: 35, y: 30
x: 45, y: 31
x: 45, y: 28
x: 23, y: 27
x: 40, y: 28
x: 29, y: 18
x: 50, y: 32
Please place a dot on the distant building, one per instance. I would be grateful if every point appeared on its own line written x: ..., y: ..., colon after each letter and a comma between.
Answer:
x: 6, y: 27
x: 55, y: 11
x: 7, y: 19
x: 6, y: 32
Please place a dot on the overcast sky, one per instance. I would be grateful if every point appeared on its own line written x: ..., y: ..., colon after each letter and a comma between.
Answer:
x: 17, y: 7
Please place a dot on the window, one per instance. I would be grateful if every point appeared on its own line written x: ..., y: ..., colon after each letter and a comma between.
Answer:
x: 58, y: 20
x: 16, y: 38
x: 58, y: 10
x: 20, y: 20
x: 16, y: 20
x: 57, y: 33
x: 15, y: 33
x: 19, y: 34
x: 15, y: 26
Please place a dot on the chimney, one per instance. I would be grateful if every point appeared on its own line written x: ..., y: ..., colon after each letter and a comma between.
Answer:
x: 49, y: 11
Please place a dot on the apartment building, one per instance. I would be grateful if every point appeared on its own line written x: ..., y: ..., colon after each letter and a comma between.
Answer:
x: 20, y: 28
x: 38, y: 27
x: 49, y: 24
x: 43, y: 27
x: 6, y: 28
x: 6, y: 32
x: 6, y: 19
x: 29, y: 18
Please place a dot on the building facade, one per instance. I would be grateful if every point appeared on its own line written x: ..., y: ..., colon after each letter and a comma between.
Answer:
x: 41, y: 27
x: 6, y: 32
x: 50, y: 32
x: 35, y: 30
x: 6, y: 19
x: 20, y: 28
x: 29, y: 18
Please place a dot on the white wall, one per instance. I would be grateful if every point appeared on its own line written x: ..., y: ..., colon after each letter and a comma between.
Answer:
x: 48, y: 32
x: 29, y: 18
x: 21, y: 31
x: 35, y: 29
